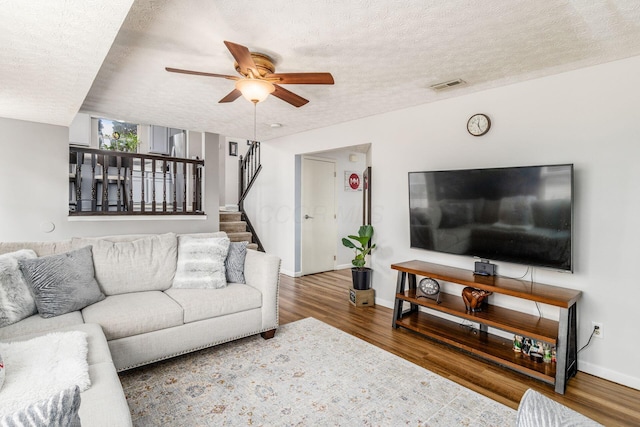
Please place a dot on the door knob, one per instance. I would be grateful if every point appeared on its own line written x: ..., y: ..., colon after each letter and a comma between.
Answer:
x: 308, y: 217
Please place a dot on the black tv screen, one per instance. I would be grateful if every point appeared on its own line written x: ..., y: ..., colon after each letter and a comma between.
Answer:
x: 517, y: 214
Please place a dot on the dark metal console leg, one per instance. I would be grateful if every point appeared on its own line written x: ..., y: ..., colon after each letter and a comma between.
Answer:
x: 567, y: 348
x: 413, y: 286
x: 397, y: 307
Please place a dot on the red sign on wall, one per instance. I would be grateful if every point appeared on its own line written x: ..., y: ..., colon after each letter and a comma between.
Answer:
x: 352, y: 181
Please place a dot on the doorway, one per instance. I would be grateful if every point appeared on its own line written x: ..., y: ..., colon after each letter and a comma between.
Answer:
x: 318, y: 215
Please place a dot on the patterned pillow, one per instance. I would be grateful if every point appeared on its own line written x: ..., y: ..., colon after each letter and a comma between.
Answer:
x: 201, y: 263
x: 59, y: 410
x: 16, y: 301
x: 234, y: 264
x: 62, y: 283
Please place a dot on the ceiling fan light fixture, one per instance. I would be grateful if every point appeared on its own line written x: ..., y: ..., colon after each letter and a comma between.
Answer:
x: 255, y: 90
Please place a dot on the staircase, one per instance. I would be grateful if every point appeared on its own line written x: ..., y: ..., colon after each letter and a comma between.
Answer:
x: 232, y: 224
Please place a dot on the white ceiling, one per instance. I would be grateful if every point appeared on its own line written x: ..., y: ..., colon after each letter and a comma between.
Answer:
x: 59, y: 56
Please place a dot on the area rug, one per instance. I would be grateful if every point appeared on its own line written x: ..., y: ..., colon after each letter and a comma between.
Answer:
x: 310, y: 374
x: 40, y: 367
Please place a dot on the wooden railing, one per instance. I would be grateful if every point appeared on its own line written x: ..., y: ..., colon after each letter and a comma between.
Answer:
x: 249, y: 169
x: 103, y: 182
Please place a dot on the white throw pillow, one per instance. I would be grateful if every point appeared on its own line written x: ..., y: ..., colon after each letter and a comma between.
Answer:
x: 201, y: 263
x: 16, y: 300
x: 39, y: 367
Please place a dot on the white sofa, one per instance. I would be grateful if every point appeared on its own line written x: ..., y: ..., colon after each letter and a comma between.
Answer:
x: 143, y: 319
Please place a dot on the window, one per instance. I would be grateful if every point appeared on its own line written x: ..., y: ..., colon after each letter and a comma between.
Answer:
x: 117, y: 135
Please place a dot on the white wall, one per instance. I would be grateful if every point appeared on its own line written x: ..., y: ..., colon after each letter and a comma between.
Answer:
x: 588, y: 117
x: 34, y: 188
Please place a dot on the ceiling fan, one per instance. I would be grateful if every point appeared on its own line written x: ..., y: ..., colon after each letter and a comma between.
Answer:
x: 259, y: 78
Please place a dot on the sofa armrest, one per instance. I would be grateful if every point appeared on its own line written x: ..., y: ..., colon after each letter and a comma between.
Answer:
x: 262, y: 271
x: 537, y: 410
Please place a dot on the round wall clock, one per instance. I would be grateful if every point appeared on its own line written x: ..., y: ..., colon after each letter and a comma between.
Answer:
x: 478, y: 124
x: 429, y: 288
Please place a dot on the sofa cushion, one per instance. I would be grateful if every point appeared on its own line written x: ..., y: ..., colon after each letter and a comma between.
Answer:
x: 201, y: 263
x: 61, y: 409
x: 62, y: 283
x: 39, y: 325
x: 215, y: 234
x: 16, y: 300
x: 134, y: 313
x: 199, y: 304
x: 145, y: 264
x: 40, y: 248
x: 234, y: 264
x: 104, y: 404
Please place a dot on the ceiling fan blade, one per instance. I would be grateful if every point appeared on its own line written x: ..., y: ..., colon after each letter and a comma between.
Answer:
x: 288, y: 96
x: 243, y: 57
x: 302, y: 78
x: 231, y: 96
x: 199, y: 73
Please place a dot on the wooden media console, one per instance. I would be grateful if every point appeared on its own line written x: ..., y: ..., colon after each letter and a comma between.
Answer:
x: 561, y: 334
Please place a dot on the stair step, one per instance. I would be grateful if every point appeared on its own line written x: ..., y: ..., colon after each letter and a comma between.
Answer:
x: 230, y: 216
x: 233, y: 226
x: 239, y: 237
x: 253, y: 246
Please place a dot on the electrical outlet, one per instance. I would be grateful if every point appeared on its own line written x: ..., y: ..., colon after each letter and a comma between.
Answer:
x: 597, y: 328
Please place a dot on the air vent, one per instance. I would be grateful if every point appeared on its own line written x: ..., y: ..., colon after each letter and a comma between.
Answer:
x: 449, y: 84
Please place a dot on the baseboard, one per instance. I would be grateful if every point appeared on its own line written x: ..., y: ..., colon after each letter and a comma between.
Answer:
x: 343, y: 266
x: 291, y: 273
x: 609, y: 375
x: 384, y: 303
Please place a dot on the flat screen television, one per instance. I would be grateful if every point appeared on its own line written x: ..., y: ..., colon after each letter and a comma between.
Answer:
x: 516, y: 214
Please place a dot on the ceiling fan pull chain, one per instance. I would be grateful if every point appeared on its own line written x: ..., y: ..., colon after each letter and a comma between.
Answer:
x: 255, y: 126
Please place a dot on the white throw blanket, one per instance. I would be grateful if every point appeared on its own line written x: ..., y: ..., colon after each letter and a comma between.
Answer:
x: 39, y: 367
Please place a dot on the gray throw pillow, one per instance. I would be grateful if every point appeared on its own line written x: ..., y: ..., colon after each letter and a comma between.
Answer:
x: 62, y: 283
x: 16, y: 301
x: 201, y: 263
x: 59, y: 410
x: 234, y: 264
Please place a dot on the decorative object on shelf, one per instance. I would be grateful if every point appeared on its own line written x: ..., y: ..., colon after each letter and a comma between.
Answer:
x: 429, y: 288
x: 233, y: 148
x: 517, y: 343
x: 361, y: 275
x: 478, y: 124
x: 537, y: 351
x: 474, y: 298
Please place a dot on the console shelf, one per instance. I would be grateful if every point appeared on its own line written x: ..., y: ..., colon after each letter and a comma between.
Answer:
x: 480, y: 342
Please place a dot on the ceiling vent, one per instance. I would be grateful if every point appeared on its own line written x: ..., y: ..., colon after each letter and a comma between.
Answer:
x: 449, y: 84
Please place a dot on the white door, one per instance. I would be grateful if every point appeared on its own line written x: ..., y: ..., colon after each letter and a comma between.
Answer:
x: 319, y: 235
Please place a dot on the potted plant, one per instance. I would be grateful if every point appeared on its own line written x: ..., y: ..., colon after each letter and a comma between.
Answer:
x: 361, y: 243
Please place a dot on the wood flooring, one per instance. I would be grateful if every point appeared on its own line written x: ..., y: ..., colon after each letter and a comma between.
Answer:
x: 325, y: 296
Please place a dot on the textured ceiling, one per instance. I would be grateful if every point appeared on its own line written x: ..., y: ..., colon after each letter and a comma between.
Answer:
x: 383, y: 54
x: 50, y: 53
